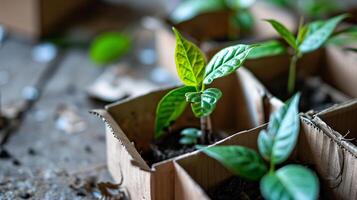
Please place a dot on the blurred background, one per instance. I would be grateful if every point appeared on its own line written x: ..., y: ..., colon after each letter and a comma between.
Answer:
x: 60, y: 59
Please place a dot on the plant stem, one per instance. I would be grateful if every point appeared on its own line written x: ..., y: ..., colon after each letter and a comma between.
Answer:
x: 272, y: 167
x: 292, y: 74
x: 206, y: 129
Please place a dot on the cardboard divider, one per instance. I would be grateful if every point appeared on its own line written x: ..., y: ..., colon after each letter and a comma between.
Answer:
x: 341, y: 69
x: 130, y: 131
x: 215, y: 25
x: 335, y: 166
x: 340, y: 121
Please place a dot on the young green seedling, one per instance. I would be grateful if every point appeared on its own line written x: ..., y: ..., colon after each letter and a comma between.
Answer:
x: 310, y: 37
x: 275, y: 145
x: 196, y: 74
x: 239, y: 9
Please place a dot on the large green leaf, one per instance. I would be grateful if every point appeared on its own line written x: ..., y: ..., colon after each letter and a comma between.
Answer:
x: 191, y: 8
x: 267, y: 49
x: 290, y: 182
x: 190, y: 61
x: 240, y: 160
x: 283, y: 32
x: 226, y: 61
x: 278, y: 141
x: 108, y: 47
x: 318, y: 33
x: 203, y: 103
x: 170, y: 108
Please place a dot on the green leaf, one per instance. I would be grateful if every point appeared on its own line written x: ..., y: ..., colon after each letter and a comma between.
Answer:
x: 203, y: 103
x: 226, y: 61
x: 190, y: 61
x: 188, y: 141
x: 318, y: 33
x: 241, y: 161
x: 239, y: 4
x: 345, y: 37
x: 243, y: 19
x: 191, y: 132
x: 277, y: 142
x: 267, y: 49
x: 191, y: 8
x: 290, y: 182
x: 170, y: 108
x: 109, y: 47
x: 302, y: 34
x: 283, y: 32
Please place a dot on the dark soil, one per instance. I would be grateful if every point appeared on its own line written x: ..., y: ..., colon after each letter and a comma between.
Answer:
x: 169, y: 147
x: 312, y: 96
x: 235, y: 188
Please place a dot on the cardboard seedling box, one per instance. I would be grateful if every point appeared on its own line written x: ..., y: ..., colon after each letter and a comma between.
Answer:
x: 33, y: 18
x: 216, y: 25
x: 130, y: 130
x: 335, y: 165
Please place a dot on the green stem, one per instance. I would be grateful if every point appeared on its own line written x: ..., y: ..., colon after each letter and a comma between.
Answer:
x: 272, y: 167
x: 206, y: 129
x: 292, y: 74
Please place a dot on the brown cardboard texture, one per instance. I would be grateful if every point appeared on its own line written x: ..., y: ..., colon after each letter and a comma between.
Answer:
x: 130, y: 130
x: 35, y: 17
x: 341, y: 69
x: 340, y: 121
x: 216, y: 25
x: 336, y: 166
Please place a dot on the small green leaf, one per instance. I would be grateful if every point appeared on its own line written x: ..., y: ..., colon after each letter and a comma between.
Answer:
x: 226, y: 61
x: 267, y: 49
x: 203, y: 103
x: 318, y: 33
x: 283, y: 32
x: 188, y: 141
x: 170, y: 108
x: 240, y: 160
x: 190, y: 61
x: 191, y: 8
x: 302, y: 34
x: 191, y: 132
x: 290, y: 182
x: 278, y: 141
x: 109, y: 47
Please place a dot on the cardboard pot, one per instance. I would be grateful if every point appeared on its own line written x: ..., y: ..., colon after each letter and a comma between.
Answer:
x: 34, y: 18
x: 204, y: 28
x: 130, y: 131
x: 334, y: 164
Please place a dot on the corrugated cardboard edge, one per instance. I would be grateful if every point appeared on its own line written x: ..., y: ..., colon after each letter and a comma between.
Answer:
x: 119, y: 134
x: 336, y: 136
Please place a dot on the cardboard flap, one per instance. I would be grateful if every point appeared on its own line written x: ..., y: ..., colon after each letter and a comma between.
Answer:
x: 119, y: 134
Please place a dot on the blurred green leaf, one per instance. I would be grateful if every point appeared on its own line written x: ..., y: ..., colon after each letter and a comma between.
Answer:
x: 189, y: 9
x: 283, y: 32
x: 318, y: 33
x: 190, y: 136
x: 239, y: 4
x: 267, y: 49
x: 108, y: 47
x: 243, y: 19
x: 290, y: 182
x: 240, y: 160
